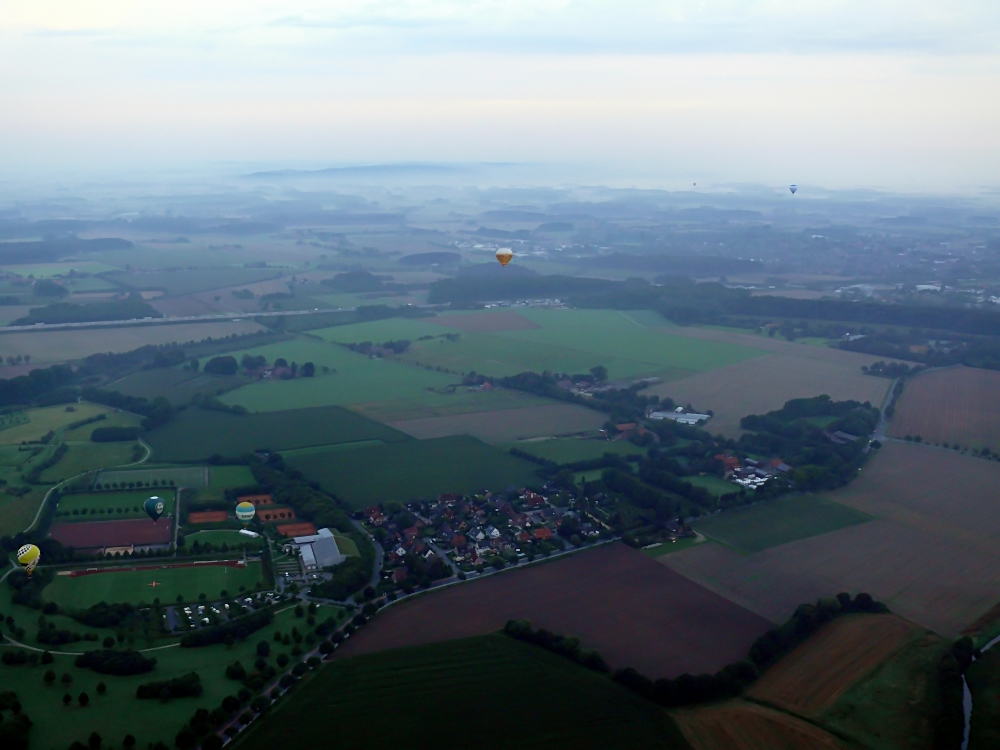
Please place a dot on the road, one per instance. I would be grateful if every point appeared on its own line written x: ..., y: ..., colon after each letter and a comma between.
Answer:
x: 883, y: 422
x: 379, y: 556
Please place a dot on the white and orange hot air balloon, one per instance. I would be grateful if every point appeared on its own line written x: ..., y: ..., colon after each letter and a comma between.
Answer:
x: 505, y: 255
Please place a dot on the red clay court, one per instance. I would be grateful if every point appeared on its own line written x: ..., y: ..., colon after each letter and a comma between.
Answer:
x: 208, y: 516
x: 296, y: 529
x: 92, y: 534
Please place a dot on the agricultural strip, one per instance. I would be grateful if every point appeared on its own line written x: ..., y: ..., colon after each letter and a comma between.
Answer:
x: 191, y: 281
x: 113, y: 505
x: 759, y: 385
x: 486, y: 322
x: 413, y: 469
x: 63, y: 345
x: 82, y: 457
x: 49, y: 419
x: 738, y: 725
x: 449, y: 692
x: 508, y: 424
x: 634, y: 611
x: 775, y: 522
x: 134, y: 586
x: 195, y: 433
x: 186, y: 476
x: 174, y: 384
x: 92, y: 534
x: 958, y: 405
x: 811, y: 678
x: 932, y: 554
x: 568, y: 450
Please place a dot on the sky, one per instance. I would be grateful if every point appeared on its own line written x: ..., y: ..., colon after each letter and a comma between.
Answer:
x: 893, y: 94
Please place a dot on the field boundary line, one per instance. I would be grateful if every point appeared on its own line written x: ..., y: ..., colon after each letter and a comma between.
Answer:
x: 839, y: 734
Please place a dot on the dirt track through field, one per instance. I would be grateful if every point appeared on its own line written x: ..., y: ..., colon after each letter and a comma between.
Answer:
x: 811, y: 678
x: 634, y: 611
x: 506, y: 425
x: 932, y: 555
x: 958, y: 405
x: 738, y: 725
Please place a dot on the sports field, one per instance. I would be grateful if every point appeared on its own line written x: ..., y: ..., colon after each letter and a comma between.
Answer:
x: 185, y: 476
x: 508, y: 424
x: 674, y: 626
x: 112, y: 506
x: 779, y: 521
x: 80, y: 592
x: 199, y: 433
x: 449, y: 692
x: 739, y: 725
x: 414, y: 469
x: 568, y: 450
x: 960, y: 405
x: 62, y: 345
x: 932, y: 554
x: 814, y: 675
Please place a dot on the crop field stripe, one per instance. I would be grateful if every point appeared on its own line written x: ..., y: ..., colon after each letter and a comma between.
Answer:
x: 740, y: 725
x: 205, y: 564
x: 508, y: 424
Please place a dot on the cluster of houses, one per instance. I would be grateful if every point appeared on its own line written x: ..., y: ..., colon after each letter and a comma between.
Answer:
x: 588, y: 388
x: 753, y: 472
x: 469, y: 531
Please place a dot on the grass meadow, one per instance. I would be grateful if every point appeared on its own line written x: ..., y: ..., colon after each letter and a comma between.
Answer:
x: 196, y: 434
x: 81, y: 457
x: 779, y: 521
x: 414, y: 469
x: 50, y: 419
x: 136, y: 586
x: 118, y: 712
x: 17, y: 513
x: 503, y: 692
x: 568, y: 450
x: 218, y: 537
x: 175, y: 384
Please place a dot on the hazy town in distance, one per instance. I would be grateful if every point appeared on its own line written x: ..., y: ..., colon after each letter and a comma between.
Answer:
x: 552, y: 377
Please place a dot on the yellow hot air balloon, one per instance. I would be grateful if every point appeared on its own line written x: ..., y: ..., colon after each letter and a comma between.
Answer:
x: 245, y: 512
x: 29, y: 556
x: 505, y: 255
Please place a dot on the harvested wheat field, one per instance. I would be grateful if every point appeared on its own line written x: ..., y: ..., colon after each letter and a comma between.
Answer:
x: 811, y: 678
x: 506, y: 425
x: 759, y: 385
x: 633, y: 610
x: 932, y: 554
x: 485, y: 322
x: 958, y: 405
x: 738, y: 725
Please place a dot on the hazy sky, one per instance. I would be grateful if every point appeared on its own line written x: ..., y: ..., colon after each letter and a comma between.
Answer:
x: 903, y: 94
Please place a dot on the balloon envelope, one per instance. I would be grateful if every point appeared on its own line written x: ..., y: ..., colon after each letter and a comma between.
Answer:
x: 504, y: 255
x: 28, y: 556
x: 245, y: 511
x: 793, y: 188
x: 154, y: 508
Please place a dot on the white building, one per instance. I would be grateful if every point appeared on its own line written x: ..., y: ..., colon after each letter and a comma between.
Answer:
x: 680, y: 417
x: 318, y: 551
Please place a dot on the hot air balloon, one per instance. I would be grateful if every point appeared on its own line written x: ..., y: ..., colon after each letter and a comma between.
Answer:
x: 793, y: 188
x: 504, y: 255
x: 29, y: 556
x: 245, y: 512
x: 154, y: 508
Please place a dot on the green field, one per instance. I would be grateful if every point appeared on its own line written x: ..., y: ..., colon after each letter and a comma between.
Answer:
x: 347, y: 546
x: 220, y: 477
x: 118, y: 712
x: 357, y: 379
x: 81, y: 457
x: 199, y: 433
x: 716, y: 485
x: 49, y: 419
x: 568, y: 450
x: 191, y: 281
x: 134, y: 586
x: 175, y: 384
x: 112, y: 419
x: 414, y: 469
x: 218, y: 537
x: 379, y: 331
x: 16, y: 513
x: 103, y: 506
x: 501, y: 692
x: 775, y: 522
x: 185, y: 476
x: 667, y: 548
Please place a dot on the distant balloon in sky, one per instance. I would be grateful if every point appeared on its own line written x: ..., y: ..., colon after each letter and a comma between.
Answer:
x: 694, y: 184
x: 28, y: 556
x: 793, y: 188
x: 154, y: 508
x: 504, y: 255
x: 245, y: 512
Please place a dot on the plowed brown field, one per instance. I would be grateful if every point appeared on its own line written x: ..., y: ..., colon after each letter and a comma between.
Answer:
x: 932, y: 554
x: 633, y: 610
x: 739, y: 725
x: 959, y: 405
x: 811, y: 678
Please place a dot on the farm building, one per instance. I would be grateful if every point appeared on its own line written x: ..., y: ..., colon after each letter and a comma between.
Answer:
x: 680, y: 417
x: 318, y: 551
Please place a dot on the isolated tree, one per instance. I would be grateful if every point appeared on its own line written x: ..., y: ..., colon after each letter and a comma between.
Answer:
x: 50, y: 677
x: 67, y: 699
x: 101, y: 688
x: 84, y: 699
x: 129, y: 742
x: 94, y: 741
